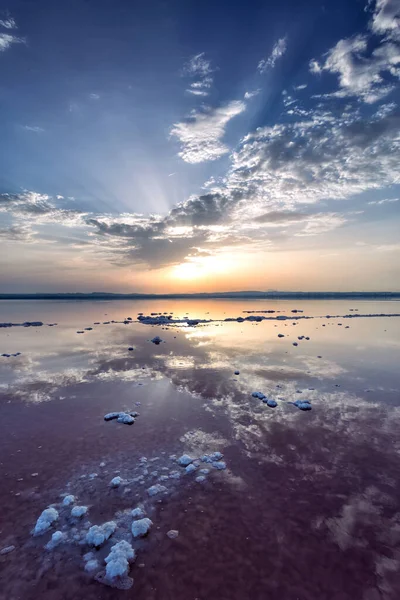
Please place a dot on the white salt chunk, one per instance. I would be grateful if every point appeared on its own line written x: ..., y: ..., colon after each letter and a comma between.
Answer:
x: 68, y: 500
x: 45, y: 521
x: 92, y: 565
x: 116, y: 482
x: 185, y: 460
x: 79, y: 511
x: 98, y: 534
x: 156, y: 489
x: 141, y: 527
x: 137, y: 512
x: 7, y: 550
x: 56, y: 539
x: 219, y: 465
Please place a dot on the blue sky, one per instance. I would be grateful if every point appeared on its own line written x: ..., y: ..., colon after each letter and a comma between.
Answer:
x: 167, y: 145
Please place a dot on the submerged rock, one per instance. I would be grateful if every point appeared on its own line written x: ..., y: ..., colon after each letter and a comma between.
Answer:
x: 200, y: 479
x: 156, y: 340
x: 258, y: 395
x: 141, y: 527
x: 45, y: 521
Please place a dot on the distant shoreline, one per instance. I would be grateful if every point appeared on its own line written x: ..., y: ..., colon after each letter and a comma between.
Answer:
x: 245, y: 295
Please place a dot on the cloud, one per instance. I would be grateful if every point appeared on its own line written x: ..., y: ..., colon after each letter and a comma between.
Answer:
x: 367, y: 74
x: 33, y: 128
x: 300, y: 87
x: 39, y: 208
x: 6, y: 40
x: 16, y: 233
x: 386, y: 18
x: 199, y: 68
x: 251, y: 94
x: 201, y: 134
x: 278, y: 51
x: 323, y: 156
x: 8, y: 23
x: 315, y: 67
x: 360, y: 73
x: 322, y: 223
x: 384, y: 201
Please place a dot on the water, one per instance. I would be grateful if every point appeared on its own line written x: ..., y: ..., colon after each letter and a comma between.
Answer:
x: 309, y: 506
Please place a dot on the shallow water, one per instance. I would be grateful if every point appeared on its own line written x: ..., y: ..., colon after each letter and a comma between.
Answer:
x: 309, y: 505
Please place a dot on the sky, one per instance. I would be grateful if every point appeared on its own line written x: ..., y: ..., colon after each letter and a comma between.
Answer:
x: 183, y: 146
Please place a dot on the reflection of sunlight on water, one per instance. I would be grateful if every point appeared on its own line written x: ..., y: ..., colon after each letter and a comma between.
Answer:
x: 179, y: 362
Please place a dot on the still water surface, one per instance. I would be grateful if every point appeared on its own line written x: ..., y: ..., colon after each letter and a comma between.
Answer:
x: 309, y: 505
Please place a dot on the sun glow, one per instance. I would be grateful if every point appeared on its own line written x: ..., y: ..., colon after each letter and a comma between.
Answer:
x: 201, y: 267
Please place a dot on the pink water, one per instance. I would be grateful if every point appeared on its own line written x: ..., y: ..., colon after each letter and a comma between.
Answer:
x: 309, y: 506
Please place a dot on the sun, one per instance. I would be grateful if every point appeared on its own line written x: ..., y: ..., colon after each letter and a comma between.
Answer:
x: 187, y: 271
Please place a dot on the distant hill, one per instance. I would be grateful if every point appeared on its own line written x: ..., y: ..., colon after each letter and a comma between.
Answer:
x: 238, y: 295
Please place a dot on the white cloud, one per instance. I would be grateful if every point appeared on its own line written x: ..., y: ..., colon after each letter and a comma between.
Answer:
x: 6, y: 39
x: 199, y: 68
x: 360, y: 73
x: 386, y: 18
x: 251, y: 94
x: 366, y: 74
x: 384, y: 201
x: 300, y: 87
x: 320, y: 157
x: 278, y: 51
x: 202, y: 133
x: 322, y: 223
x: 8, y: 23
x: 94, y: 96
x: 33, y: 128
x: 315, y: 67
